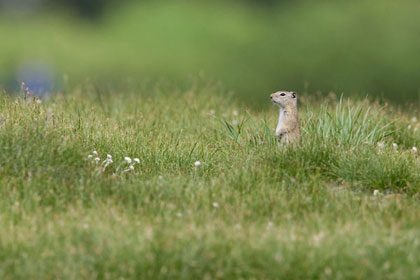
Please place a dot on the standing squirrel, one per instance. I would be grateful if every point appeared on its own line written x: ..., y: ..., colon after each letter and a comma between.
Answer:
x: 288, y: 129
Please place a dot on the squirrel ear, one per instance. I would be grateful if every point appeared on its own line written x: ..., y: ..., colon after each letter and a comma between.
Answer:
x: 293, y: 94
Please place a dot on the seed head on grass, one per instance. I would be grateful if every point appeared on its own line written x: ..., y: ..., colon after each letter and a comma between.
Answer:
x: 26, y: 91
x: 127, y: 159
x: 197, y: 163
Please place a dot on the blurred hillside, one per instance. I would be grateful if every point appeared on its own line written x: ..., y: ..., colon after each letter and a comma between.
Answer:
x: 363, y: 47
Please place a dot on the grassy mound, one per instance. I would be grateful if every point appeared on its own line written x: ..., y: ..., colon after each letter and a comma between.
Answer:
x: 246, y: 210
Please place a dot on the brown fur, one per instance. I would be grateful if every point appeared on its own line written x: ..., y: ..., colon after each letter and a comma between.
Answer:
x: 288, y: 128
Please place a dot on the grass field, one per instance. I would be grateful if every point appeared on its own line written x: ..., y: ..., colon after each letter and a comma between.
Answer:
x: 366, y: 47
x: 342, y: 205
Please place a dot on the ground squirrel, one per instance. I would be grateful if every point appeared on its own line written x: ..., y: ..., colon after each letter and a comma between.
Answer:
x: 288, y: 129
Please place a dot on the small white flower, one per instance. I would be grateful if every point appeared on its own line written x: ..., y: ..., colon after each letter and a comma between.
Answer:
x: 109, y: 161
x: 197, y: 163
x: 414, y: 149
x: 409, y: 126
x: 97, y: 159
x: 380, y: 145
x: 137, y: 160
x: 130, y: 168
x: 215, y: 205
x: 108, y: 156
x: 38, y: 101
x: 90, y: 156
x: 95, y: 153
x: 375, y: 192
x: 395, y: 146
x: 160, y: 177
x: 127, y: 159
x: 413, y: 119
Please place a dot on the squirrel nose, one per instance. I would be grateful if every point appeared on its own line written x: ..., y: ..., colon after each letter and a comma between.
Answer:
x: 272, y: 95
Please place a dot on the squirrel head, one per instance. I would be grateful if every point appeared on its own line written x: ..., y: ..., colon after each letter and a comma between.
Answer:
x: 284, y: 98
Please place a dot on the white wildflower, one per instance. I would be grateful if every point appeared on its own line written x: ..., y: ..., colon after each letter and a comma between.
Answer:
x: 413, y: 119
x: 97, y: 159
x: 414, y: 149
x: 395, y: 146
x: 95, y: 153
x: 130, y: 168
x: 160, y: 177
x: 380, y: 144
x: 375, y: 192
x: 215, y: 205
x: 127, y: 159
x: 38, y: 101
x: 137, y: 160
x: 409, y: 126
x: 107, y: 162
x: 90, y: 156
x: 197, y: 163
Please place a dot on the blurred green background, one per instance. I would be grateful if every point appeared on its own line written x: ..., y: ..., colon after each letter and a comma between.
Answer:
x: 252, y: 47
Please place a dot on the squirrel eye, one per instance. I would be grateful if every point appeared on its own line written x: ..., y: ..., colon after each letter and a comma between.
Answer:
x: 282, y: 94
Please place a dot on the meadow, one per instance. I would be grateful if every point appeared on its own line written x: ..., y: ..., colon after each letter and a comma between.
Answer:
x: 354, y: 47
x: 164, y: 183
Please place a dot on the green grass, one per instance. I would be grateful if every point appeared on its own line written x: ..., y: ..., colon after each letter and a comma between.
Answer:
x: 367, y: 47
x: 250, y: 210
